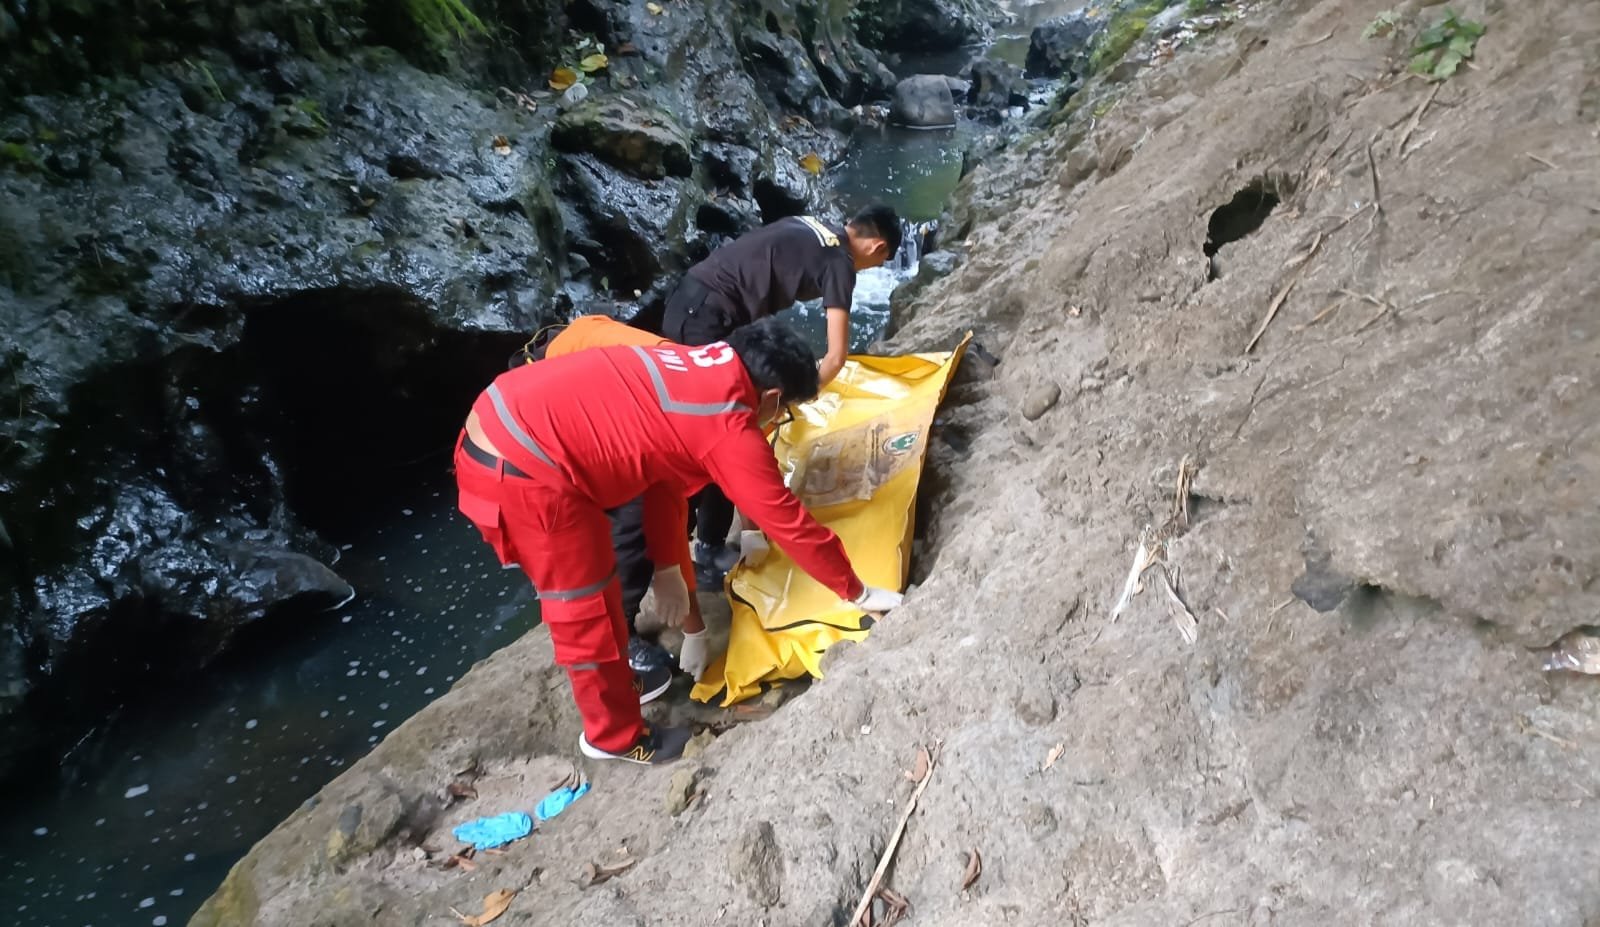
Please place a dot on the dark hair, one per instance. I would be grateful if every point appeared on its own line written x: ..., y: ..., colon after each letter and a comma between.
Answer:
x: 880, y: 221
x: 776, y: 358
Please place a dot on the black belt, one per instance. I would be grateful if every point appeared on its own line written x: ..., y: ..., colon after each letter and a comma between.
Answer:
x: 489, y: 460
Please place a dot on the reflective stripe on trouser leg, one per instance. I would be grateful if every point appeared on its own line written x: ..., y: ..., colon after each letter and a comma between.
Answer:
x: 584, y: 633
x: 563, y: 543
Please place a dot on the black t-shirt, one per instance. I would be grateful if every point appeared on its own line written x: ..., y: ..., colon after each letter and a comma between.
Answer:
x: 771, y: 268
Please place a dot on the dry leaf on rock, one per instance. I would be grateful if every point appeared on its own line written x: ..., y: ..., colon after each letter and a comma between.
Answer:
x: 974, y: 869
x: 502, y: 145
x: 812, y: 162
x: 596, y: 873
x: 654, y: 8
x: 593, y: 63
x: 494, y: 905
x: 1055, y: 754
x: 921, y: 769
x: 562, y: 78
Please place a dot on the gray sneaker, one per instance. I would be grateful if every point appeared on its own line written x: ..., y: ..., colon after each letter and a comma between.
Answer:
x: 720, y: 557
x: 645, y: 655
x: 656, y: 746
x: 649, y: 684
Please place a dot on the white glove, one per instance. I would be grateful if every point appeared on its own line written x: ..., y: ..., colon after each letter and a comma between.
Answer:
x: 753, y: 547
x: 695, y: 654
x: 873, y: 599
x: 672, y: 596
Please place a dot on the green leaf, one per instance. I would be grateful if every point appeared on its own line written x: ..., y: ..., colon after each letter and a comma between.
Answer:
x: 1462, y: 46
x: 1422, y: 63
x: 1432, y: 37
x: 1448, y: 62
x: 1473, y: 29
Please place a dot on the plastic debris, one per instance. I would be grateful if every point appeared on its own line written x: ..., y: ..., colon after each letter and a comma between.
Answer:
x: 557, y: 801
x: 485, y: 833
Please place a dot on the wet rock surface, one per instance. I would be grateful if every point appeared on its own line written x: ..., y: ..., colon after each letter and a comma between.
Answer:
x: 1399, y: 759
x: 924, y: 101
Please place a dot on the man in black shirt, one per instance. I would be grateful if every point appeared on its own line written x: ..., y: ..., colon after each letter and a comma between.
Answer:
x: 762, y: 273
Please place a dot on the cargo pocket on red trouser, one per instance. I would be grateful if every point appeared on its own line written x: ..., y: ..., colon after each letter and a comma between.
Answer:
x: 485, y: 514
x: 581, y: 629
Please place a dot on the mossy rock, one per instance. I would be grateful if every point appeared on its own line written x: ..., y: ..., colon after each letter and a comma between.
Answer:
x: 627, y: 133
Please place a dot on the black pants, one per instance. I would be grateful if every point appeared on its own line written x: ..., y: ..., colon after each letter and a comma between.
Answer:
x: 634, y: 569
x: 697, y: 315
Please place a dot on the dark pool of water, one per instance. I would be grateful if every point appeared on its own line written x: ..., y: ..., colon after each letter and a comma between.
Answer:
x: 144, y: 821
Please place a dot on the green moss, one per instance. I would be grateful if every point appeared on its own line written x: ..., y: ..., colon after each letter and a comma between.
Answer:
x: 19, y: 156
x: 442, y: 20
x: 1124, y: 29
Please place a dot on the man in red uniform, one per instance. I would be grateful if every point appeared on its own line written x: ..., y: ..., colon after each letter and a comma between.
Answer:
x: 549, y: 447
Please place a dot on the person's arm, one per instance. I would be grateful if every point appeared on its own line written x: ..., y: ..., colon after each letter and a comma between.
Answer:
x: 743, y: 466
x: 838, y: 345
x: 666, y: 515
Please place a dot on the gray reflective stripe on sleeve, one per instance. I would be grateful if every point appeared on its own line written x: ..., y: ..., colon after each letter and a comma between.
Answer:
x: 567, y: 595
x: 584, y: 666
x: 668, y: 404
x: 511, y: 425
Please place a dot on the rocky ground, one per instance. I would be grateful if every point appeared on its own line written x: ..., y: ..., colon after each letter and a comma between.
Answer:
x: 1380, y: 403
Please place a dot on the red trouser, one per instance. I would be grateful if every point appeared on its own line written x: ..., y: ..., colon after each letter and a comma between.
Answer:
x: 563, y: 542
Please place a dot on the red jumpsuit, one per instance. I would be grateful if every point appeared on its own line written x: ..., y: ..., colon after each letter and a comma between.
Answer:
x: 591, y: 431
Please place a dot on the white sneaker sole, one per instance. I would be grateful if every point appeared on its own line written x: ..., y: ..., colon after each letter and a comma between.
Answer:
x: 595, y: 753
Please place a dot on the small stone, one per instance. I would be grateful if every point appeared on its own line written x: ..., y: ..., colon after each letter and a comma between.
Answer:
x: 756, y: 863
x: 1035, y: 706
x: 1040, y: 399
x: 680, y: 791
x: 1039, y: 820
x: 697, y: 744
x: 1089, y: 384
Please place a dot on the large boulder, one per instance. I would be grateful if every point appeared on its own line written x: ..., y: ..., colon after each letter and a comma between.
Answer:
x: 628, y: 133
x: 996, y: 85
x: 934, y: 25
x: 1062, y: 45
x: 923, y: 102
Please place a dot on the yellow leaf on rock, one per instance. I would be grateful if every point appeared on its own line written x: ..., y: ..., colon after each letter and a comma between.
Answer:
x: 812, y: 162
x: 494, y: 905
x: 562, y: 78
x: 654, y: 8
x: 502, y: 145
x: 593, y: 63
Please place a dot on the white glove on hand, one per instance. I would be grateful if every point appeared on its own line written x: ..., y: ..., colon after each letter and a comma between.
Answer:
x: 695, y: 655
x: 753, y: 547
x: 873, y: 599
x: 672, y: 596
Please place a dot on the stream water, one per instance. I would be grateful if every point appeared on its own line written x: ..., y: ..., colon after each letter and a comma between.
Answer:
x: 144, y: 818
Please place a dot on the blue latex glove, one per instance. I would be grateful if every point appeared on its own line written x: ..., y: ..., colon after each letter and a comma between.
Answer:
x: 486, y: 833
x: 557, y: 801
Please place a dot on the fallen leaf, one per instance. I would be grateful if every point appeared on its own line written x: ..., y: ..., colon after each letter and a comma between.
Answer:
x: 1055, y: 754
x: 898, y: 905
x: 562, y: 78
x: 654, y: 8
x: 593, y: 63
x: 917, y: 773
x: 812, y: 162
x: 627, y: 48
x: 596, y: 873
x: 974, y: 869
x: 494, y: 905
